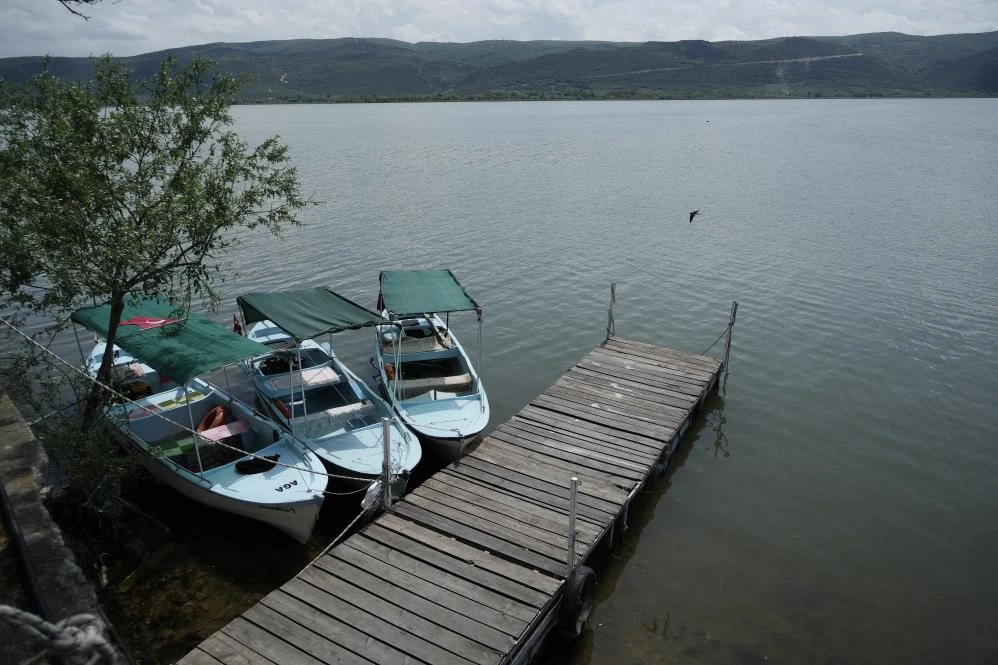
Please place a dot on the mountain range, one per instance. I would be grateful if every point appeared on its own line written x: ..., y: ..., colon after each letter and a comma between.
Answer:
x: 373, y: 69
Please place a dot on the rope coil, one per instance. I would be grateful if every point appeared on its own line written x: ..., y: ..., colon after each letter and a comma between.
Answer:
x: 79, y: 639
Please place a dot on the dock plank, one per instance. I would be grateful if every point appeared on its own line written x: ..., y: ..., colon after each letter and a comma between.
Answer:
x: 666, y: 365
x: 266, y: 643
x: 523, y: 427
x: 658, y: 392
x: 707, y: 362
x: 407, y: 597
x: 554, y: 418
x: 445, y: 578
x: 663, y: 408
x: 315, y: 644
x: 531, y: 533
x: 491, y: 543
x: 603, y: 495
x: 604, y: 416
x: 553, y: 461
x: 435, y: 588
x: 382, y: 621
x: 232, y: 652
x: 519, y: 509
x: 472, y: 555
x: 559, y: 501
x: 527, y: 486
x: 199, y: 657
x: 574, y: 451
x: 519, y: 595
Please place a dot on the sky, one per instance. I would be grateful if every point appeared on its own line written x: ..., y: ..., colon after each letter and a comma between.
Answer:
x: 130, y: 27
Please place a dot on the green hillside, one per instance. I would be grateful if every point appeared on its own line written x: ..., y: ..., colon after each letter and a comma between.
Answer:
x: 359, y: 69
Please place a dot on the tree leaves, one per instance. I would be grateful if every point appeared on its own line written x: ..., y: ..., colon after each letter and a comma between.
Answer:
x: 118, y: 186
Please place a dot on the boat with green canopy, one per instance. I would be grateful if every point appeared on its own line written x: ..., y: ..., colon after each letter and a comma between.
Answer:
x: 309, y: 391
x: 195, y: 437
x: 422, y: 368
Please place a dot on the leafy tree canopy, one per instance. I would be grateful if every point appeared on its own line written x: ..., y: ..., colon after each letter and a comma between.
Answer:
x: 114, y: 187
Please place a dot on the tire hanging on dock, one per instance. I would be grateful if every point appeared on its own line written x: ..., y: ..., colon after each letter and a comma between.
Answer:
x: 577, y: 603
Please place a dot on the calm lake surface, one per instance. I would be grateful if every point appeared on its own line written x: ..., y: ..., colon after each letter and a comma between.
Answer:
x: 838, y: 503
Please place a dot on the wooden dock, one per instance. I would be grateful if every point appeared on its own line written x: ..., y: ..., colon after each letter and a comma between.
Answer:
x: 470, y: 567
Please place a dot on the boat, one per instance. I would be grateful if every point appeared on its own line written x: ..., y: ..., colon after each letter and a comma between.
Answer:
x: 193, y: 436
x: 422, y: 367
x: 311, y: 393
x: 129, y: 376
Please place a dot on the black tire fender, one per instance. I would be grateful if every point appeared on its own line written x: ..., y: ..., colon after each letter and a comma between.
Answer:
x: 577, y: 601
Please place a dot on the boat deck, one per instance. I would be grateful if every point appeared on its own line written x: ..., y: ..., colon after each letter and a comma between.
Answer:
x: 470, y: 567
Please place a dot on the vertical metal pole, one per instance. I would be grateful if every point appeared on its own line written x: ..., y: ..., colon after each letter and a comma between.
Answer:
x: 190, y: 416
x: 386, y: 463
x: 572, y: 534
x: 611, y: 326
x: 727, y: 344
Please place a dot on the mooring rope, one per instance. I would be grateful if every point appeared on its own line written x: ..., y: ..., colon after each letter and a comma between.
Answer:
x: 79, y: 639
x: 719, y: 338
x: 334, y: 541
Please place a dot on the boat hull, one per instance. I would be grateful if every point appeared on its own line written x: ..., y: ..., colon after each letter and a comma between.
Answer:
x: 448, y: 413
x: 286, y: 495
x: 296, y: 518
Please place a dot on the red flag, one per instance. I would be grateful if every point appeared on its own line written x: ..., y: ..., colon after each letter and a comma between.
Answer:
x: 147, y: 322
x: 236, y: 328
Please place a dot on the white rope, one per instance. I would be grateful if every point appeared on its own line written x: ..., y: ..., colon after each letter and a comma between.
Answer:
x: 79, y: 639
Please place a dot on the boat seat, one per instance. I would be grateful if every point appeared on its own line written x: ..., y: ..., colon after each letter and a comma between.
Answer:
x: 174, y: 448
x: 419, y: 344
x: 321, y: 422
x: 225, y: 431
x: 308, y: 378
x: 451, y: 384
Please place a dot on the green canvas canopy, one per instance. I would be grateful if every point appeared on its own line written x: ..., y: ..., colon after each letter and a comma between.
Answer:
x: 306, y: 313
x: 423, y: 291
x: 182, y: 348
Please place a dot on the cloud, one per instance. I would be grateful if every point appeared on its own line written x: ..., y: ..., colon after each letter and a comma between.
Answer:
x: 129, y: 27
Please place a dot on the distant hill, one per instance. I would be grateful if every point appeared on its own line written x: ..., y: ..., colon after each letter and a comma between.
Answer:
x: 372, y: 69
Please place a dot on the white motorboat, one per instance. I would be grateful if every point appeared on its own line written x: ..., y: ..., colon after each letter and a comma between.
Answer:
x: 422, y: 368
x: 196, y: 438
x: 310, y: 392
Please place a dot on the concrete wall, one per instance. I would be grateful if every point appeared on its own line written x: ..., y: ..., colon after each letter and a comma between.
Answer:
x: 64, y: 588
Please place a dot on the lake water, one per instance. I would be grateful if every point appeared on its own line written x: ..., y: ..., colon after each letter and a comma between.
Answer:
x: 838, y: 503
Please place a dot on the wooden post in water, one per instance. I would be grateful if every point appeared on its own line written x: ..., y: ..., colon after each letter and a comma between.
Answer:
x: 727, y: 344
x: 572, y: 534
x: 386, y: 463
x: 611, y: 327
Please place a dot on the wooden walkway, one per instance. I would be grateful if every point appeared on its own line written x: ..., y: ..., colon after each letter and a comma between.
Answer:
x: 469, y: 567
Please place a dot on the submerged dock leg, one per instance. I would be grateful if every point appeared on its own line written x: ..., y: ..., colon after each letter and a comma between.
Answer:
x: 727, y: 344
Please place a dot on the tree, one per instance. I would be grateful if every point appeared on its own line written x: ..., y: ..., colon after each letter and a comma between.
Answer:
x: 115, y: 187
x: 67, y: 3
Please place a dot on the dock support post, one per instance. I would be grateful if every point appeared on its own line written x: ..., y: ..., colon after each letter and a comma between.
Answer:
x: 727, y: 344
x: 611, y: 326
x: 572, y: 533
x: 386, y: 463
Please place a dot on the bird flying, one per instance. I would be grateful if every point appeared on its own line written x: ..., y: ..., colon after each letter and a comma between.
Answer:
x: 693, y: 214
